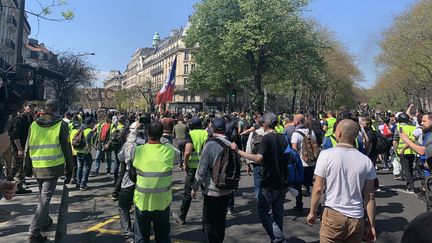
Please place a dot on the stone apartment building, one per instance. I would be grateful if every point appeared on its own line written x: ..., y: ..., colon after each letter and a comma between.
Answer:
x: 8, y: 33
x: 113, y: 80
x: 154, y: 64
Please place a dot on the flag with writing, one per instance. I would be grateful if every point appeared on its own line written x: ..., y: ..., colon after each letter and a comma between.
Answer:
x: 166, y: 93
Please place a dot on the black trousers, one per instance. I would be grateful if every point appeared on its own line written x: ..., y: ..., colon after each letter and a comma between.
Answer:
x: 407, y: 161
x: 187, y: 198
x: 161, y: 225
x: 307, y: 182
x: 214, y: 217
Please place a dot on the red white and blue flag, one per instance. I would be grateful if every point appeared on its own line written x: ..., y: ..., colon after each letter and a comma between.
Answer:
x: 166, y: 93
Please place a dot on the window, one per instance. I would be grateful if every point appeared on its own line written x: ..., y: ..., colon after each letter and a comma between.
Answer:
x: 186, y: 69
x: 192, y: 67
x: 192, y: 97
x: 186, y: 56
x: 185, y: 82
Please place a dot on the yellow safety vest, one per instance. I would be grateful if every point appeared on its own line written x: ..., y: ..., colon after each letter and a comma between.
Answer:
x: 199, y: 137
x: 72, y: 134
x: 330, y: 124
x: 279, y: 129
x: 408, y: 130
x: 44, y: 146
x: 153, y: 164
x: 85, y: 150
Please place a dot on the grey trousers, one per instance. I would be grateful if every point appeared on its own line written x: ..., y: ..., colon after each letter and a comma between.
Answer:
x: 41, y: 217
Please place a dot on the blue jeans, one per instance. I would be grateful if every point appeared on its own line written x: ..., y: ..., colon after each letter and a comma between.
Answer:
x: 271, y: 199
x: 100, y: 154
x: 257, y: 177
x: 161, y: 225
x: 116, y: 164
x: 84, y: 166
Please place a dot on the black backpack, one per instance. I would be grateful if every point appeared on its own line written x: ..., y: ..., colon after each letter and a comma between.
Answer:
x: 78, y: 140
x: 382, y: 144
x: 226, y: 170
x: 256, y: 141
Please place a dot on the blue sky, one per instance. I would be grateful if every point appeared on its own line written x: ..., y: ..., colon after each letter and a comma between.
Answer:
x: 115, y: 29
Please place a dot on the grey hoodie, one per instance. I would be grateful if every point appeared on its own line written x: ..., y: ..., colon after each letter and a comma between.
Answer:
x: 49, y: 120
x: 208, y: 158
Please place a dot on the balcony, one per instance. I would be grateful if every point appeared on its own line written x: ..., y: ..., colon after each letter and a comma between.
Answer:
x: 156, y: 70
x: 11, y: 21
x: 10, y: 44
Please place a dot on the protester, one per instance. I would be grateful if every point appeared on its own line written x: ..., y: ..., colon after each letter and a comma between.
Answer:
x: 84, y: 156
x: 179, y: 131
x: 348, y: 179
x: 154, y: 163
x: 273, y: 185
x: 215, y: 199
x: 49, y: 153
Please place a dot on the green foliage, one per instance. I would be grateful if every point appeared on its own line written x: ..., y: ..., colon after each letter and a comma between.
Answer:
x: 257, y: 44
x: 406, y: 58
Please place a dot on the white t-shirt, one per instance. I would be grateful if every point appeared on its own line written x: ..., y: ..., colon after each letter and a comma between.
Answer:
x: 345, y: 171
x: 298, y: 139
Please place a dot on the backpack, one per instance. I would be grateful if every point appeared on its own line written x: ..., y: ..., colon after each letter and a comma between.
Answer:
x: 295, y: 167
x: 256, y: 141
x: 382, y: 144
x: 226, y: 169
x: 309, y: 150
x: 78, y: 140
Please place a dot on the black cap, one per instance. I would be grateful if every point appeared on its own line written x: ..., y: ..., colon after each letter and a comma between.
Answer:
x: 219, y: 125
x: 196, y: 122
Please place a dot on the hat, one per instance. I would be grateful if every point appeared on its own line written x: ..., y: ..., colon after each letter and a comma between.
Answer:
x: 219, y: 124
x: 196, y: 122
x: 53, y: 102
x: 121, y: 118
x: 269, y: 118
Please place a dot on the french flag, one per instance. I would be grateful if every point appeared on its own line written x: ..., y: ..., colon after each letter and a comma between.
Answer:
x: 166, y: 93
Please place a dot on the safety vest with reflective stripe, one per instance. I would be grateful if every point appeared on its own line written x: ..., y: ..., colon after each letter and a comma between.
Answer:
x: 408, y: 130
x: 199, y: 137
x: 330, y: 124
x: 44, y: 146
x: 153, y: 164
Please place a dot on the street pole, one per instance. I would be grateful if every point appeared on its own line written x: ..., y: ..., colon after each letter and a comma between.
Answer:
x: 19, y: 37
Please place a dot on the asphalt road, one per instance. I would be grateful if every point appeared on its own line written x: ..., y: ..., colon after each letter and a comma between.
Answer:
x: 92, y: 215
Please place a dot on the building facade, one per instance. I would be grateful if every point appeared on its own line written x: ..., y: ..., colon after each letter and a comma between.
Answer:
x: 8, y: 33
x: 154, y: 64
x: 38, y: 55
x: 114, y: 80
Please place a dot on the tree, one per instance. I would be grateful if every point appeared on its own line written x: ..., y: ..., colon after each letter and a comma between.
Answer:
x: 78, y: 73
x: 245, y: 40
x: 406, y: 59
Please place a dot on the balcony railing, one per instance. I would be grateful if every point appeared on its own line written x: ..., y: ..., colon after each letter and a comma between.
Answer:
x: 156, y: 70
x: 10, y: 44
x: 11, y: 20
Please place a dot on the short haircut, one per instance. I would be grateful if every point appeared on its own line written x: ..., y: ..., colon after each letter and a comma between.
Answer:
x: 428, y: 114
x: 155, y: 130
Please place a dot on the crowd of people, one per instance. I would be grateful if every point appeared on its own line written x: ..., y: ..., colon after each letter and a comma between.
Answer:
x: 331, y: 157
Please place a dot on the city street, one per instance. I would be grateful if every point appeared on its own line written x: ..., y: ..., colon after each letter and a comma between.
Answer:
x: 92, y: 215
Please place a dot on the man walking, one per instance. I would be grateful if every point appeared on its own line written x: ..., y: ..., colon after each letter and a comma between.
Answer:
x: 102, y: 144
x: 405, y: 153
x: 215, y: 199
x: 179, y: 131
x: 84, y: 157
x: 152, y: 197
x: 18, y: 133
x: 49, y: 153
x: 348, y: 178
x: 274, y: 178
x: 297, y: 139
x: 194, y: 144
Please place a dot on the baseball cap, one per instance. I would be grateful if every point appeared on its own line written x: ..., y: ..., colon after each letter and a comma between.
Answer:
x: 196, y: 122
x: 269, y: 118
x: 219, y: 124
